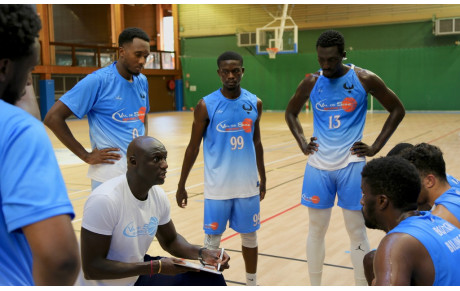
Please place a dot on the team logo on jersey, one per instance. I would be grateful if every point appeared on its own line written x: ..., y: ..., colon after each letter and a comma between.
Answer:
x: 213, y: 226
x: 248, y: 109
x: 245, y: 125
x: 348, y: 105
x: 348, y: 87
x: 123, y: 116
x: 131, y: 230
x: 313, y: 199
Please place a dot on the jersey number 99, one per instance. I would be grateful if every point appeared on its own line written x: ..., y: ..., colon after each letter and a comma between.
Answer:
x: 237, y: 142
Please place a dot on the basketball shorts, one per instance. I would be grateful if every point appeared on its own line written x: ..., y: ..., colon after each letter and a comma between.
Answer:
x: 243, y: 215
x: 320, y: 187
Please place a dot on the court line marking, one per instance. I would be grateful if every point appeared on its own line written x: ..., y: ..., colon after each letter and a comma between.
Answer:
x: 199, y: 184
x: 293, y: 259
x: 265, y: 220
x: 443, y: 136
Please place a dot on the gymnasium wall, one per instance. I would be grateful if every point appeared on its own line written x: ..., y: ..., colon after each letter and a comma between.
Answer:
x: 423, y: 69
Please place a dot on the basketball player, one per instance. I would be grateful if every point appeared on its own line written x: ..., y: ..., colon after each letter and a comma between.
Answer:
x: 420, y: 248
x: 228, y: 122
x: 37, y: 241
x: 338, y: 95
x: 436, y: 193
x: 116, y: 100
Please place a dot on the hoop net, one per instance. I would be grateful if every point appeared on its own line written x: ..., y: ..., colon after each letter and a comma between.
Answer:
x: 272, y: 52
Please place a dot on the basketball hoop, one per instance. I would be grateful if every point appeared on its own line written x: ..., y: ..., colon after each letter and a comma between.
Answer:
x: 272, y: 52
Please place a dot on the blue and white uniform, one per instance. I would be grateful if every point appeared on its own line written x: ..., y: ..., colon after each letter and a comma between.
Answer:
x: 452, y: 181
x: 116, y: 109
x: 442, y: 241
x: 231, y: 181
x: 450, y: 200
x: 230, y: 167
x: 31, y: 190
x: 339, y: 114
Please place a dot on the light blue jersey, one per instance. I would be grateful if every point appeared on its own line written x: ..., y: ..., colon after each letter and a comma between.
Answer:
x: 31, y: 190
x: 339, y: 114
x: 230, y: 167
x: 452, y: 181
x: 442, y: 241
x: 116, y: 109
x: 450, y: 200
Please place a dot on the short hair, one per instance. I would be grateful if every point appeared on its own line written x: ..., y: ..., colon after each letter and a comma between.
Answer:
x: 19, y: 27
x: 229, y: 55
x: 331, y: 38
x: 396, y: 178
x: 397, y: 149
x: 130, y: 33
x: 427, y: 159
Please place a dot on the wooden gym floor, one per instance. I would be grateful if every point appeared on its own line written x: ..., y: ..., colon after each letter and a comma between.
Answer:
x: 283, y: 233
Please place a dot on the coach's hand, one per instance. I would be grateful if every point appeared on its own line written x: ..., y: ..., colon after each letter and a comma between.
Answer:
x: 169, y: 268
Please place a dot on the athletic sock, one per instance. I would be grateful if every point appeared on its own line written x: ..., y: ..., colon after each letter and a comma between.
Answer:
x: 251, y: 279
x: 315, y: 278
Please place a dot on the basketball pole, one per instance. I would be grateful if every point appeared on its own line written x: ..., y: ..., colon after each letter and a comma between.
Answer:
x: 279, y: 43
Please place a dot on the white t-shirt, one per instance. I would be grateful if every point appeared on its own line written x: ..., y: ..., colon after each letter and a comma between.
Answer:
x: 112, y: 209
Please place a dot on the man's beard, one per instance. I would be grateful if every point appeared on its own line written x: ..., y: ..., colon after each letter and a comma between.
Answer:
x: 371, y: 224
x: 12, y: 97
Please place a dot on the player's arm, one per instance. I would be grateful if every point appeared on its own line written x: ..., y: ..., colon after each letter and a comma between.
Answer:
x: 260, y: 151
x: 298, y: 100
x: 401, y: 260
x: 54, y: 247
x: 96, y: 266
x: 146, y: 124
x: 176, y: 245
x: 55, y: 119
x: 374, y: 85
x: 200, y: 122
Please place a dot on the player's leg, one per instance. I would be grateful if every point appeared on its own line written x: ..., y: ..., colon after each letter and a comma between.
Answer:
x: 318, y: 194
x: 317, y: 227
x: 349, y: 193
x: 245, y: 219
x: 216, y: 215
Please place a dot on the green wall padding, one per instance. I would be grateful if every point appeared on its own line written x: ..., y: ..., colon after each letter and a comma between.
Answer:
x: 422, y: 69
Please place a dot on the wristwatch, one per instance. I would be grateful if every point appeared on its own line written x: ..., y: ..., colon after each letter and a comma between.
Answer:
x: 200, y: 256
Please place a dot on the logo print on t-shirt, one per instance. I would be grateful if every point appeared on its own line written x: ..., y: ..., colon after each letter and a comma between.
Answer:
x: 122, y: 116
x: 131, y: 230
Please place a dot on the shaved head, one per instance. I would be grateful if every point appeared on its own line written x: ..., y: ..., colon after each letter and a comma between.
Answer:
x: 142, y: 144
x: 147, y: 164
